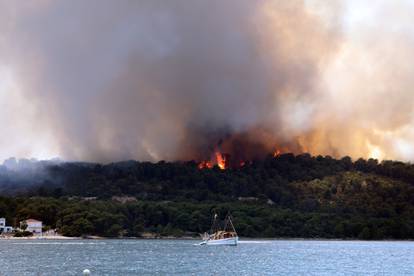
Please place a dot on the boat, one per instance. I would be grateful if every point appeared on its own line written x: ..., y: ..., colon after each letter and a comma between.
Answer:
x: 221, y: 236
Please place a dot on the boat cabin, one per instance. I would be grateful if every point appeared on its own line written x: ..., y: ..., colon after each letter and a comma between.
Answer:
x: 223, y: 235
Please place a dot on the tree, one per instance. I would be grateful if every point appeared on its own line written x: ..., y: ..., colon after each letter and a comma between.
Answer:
x: 113, y: 230
x: 23, y: 225
x: 269, y: 232
x: 365, y: 234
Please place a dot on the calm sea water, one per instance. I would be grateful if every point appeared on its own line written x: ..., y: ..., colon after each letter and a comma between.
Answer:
x: 178, y: 257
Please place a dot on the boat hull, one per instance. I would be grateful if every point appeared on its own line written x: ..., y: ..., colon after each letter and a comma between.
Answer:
x: 229, y: 241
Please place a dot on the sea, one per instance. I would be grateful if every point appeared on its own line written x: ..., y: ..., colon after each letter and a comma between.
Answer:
x: 183, y: 257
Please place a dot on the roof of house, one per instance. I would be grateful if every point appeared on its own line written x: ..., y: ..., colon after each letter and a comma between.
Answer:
x: 32, y: 220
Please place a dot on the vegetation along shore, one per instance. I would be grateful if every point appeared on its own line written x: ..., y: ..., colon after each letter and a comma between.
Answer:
x: 286, y: 196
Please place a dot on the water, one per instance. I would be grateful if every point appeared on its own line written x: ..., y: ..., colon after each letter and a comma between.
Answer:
x: 178, y: 257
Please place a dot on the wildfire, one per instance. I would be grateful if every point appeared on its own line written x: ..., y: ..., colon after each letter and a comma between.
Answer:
x: 239, y: 151
x: 225, y: 161
x: 221, y: 160
x: 218, y: 159
x: 205, y: 165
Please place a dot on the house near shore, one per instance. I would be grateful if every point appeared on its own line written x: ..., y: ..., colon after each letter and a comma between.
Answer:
x: 3, y: 227
x: 34, y: 226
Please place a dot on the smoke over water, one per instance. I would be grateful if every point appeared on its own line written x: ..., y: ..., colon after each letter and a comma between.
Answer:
x: 177, y: 80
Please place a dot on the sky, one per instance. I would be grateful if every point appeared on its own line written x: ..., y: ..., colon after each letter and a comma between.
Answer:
x: 151, y: 80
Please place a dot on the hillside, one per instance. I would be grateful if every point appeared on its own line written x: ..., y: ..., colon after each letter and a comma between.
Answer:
x: 284, y: 196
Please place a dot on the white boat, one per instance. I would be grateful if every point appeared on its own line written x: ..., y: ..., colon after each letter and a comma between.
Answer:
x: 228, y: 241
x: 225, y: 236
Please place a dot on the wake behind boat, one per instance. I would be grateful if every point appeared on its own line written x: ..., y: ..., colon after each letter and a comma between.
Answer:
x: 221, y: 236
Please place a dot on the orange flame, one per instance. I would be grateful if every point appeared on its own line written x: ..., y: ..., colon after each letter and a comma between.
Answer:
x: 205, y: 165
x: 221, y: 160
x: 218, y: 159
x: 276, y: 153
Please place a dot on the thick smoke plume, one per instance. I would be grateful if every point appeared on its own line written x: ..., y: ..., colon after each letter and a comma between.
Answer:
x: 107, y: 80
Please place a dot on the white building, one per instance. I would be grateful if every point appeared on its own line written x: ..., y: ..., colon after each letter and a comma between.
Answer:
x: 3, y: 227
x: 33, y: 225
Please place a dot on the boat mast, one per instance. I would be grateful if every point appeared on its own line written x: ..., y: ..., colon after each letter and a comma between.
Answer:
x: 229, y: 221
x: 214, y: 226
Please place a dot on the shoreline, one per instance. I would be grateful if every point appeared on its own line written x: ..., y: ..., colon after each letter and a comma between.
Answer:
x: 55, y: 237
x: 58, y: 237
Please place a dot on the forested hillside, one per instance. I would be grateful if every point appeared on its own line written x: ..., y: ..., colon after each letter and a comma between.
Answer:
x: 283, y: 196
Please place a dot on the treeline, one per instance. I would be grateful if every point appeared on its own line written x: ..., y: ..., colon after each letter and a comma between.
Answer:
x: 286, y: 196
x: 73, y: 217
x: 165, y: 180
x: 184, y: 181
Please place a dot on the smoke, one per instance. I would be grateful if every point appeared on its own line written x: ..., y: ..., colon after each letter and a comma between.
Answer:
x: 110, y: 80
x: 368, y: 103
